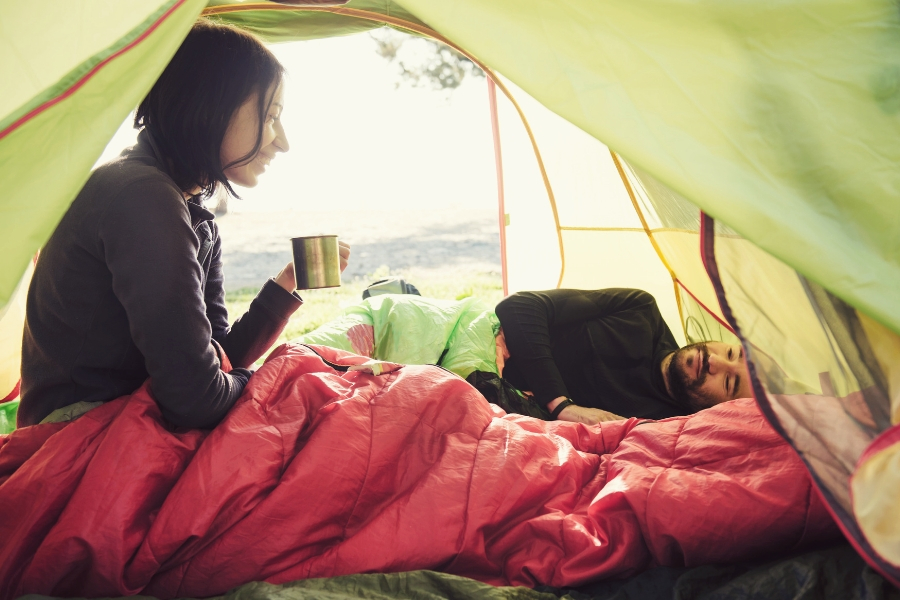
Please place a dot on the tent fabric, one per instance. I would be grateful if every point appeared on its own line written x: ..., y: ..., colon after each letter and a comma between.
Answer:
x: 12, y: 323
x: 320, y: 472
x: 620, y: 227
x: 456, y: 334
x: 50, y: 137
x: 706, y: 145
x: 777, y: 118
x: 603, y: 241
x: 875, y: 486
x: 824, y: 376
x: 285, y: 23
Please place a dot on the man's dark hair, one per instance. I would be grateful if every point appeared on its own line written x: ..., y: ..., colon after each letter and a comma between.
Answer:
x: 216, y: 69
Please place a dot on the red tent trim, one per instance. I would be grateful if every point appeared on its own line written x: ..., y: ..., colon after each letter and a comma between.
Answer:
x: 87, y: 76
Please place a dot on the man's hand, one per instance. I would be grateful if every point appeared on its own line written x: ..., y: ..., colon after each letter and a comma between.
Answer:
x: 344, y: 251
x: 502, y: 354
x: 589, y: 416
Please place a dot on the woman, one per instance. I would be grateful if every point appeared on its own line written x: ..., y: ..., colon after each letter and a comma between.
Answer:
x: 130, y: 284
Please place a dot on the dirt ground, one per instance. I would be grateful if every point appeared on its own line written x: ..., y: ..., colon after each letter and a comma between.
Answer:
x: 417, y: 243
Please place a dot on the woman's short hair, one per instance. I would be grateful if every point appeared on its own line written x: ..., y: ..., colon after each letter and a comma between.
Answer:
x: 216, y: 69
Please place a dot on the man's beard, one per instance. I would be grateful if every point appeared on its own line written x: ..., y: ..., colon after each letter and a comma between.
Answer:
x: 683, y: 388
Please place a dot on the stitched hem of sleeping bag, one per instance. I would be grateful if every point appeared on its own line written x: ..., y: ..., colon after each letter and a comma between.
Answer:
x: 419, y: 421
x: 460, y: 540
x: 279, y: 378
x: 662, y: 470
x: 391, y: 377
x: 276, y: 382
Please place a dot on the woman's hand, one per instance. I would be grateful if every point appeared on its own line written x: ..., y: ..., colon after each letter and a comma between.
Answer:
x: 286, y: 278
x: 344, y: 252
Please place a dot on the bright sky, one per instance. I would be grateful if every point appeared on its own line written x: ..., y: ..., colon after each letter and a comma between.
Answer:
x: 360, y: 142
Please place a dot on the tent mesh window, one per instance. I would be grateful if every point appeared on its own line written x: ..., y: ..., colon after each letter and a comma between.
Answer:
x: 823, y: 371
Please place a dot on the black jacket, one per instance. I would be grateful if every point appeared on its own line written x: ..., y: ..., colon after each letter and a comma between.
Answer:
x: 130, y: 286
x: 602, y: 348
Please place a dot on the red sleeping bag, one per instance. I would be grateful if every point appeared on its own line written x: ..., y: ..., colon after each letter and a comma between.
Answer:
x: 318, y: 472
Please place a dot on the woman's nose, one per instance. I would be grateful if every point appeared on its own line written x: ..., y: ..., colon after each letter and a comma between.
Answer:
x: 281, y: 141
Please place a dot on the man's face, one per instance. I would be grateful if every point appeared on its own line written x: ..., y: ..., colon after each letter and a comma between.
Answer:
x: 708, y: 373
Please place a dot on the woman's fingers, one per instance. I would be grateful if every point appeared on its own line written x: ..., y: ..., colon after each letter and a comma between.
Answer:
x: 286, y: 278
x: 344, y: 251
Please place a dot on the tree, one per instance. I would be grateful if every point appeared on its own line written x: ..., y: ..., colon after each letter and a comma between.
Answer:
x: 427, y: 63
x: 218, y: 202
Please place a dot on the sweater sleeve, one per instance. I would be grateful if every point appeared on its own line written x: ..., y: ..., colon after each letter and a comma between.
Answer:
x: 258, y: 328
x: 530, y: 318
x: 151, y: 249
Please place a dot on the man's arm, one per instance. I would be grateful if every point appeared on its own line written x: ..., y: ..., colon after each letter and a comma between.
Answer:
x: 528, y: 319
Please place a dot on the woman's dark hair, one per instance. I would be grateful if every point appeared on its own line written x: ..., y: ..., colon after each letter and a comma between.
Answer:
x: 216, y: 69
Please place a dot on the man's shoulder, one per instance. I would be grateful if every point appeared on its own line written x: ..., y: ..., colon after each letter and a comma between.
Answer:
x: 634, y: 295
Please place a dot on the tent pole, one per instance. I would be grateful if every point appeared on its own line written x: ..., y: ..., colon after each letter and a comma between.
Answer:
x: 498, y: 159
x: 493, y: 82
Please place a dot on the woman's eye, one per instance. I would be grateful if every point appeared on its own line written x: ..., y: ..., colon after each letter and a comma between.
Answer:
x: 730, y: 353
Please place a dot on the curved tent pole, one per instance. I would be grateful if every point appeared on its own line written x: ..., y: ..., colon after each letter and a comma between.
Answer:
x: 427, y: 32
x: 640, y: 214
x: 501, y: 202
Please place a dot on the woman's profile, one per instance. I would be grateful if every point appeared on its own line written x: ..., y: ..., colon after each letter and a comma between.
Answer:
x: 130, y: 284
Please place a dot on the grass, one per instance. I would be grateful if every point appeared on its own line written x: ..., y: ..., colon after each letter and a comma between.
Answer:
x: 321, y: 306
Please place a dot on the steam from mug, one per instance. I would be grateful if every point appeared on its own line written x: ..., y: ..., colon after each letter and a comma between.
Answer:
x: 317, y: 263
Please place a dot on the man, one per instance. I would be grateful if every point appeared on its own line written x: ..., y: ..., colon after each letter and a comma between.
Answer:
x: 589, y: 356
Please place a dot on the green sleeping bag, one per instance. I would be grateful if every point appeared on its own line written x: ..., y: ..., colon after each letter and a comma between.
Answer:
x: 455, y: 334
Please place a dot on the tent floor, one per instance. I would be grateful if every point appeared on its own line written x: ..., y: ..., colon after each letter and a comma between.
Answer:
x: 835, y: 573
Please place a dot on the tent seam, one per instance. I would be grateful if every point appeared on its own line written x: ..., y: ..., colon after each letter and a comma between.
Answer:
x: 77, y: 77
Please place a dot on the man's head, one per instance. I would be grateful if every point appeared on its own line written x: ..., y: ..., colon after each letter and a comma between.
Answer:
x: 707, y: 373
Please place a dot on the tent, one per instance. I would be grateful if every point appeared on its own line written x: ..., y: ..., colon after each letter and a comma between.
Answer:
x: 743, y: 154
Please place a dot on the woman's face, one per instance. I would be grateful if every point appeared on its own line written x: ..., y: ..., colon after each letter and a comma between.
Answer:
x: 241, y: 135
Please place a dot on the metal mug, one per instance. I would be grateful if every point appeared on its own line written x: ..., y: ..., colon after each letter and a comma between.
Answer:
x: 317, y: 263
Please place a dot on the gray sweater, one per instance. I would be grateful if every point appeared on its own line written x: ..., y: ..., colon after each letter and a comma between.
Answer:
x: 130, y: 286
